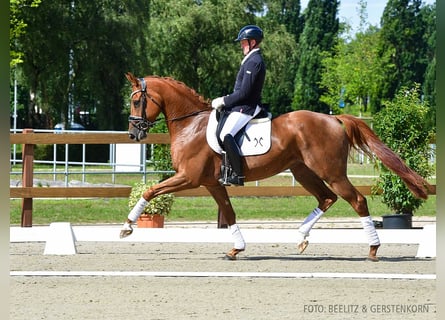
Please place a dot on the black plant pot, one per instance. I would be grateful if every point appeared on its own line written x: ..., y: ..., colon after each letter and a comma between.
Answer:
x: 397, y: 221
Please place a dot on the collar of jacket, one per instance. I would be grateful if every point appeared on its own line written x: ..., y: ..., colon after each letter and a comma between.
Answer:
x: 249, y: 54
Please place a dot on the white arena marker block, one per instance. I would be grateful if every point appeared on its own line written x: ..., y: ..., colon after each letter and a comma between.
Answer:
x: 60, y: 239
x: 427, y: 244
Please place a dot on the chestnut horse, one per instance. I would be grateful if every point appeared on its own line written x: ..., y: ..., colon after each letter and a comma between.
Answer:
x: 313, y: 146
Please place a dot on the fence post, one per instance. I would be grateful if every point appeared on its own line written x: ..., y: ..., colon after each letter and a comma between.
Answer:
x: 27, y: 180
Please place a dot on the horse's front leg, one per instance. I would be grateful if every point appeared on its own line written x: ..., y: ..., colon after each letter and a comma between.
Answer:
x: 135, y: 213
x: 175, y: 183
x: 221, y: 197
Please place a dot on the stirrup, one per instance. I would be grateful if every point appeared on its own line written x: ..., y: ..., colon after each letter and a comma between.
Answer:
x: 228, y: 175
x: 224, y: 182
x: 235, y: 180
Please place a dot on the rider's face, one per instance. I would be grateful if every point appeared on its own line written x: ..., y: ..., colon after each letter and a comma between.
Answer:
x: 245, y: 45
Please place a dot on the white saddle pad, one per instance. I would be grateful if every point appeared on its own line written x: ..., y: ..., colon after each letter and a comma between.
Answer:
x: 256, y: 141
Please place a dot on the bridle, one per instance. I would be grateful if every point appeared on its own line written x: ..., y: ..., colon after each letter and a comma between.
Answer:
x: 142, y: 123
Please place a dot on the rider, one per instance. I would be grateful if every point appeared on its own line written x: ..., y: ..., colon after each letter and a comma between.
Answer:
x: 245, y: 101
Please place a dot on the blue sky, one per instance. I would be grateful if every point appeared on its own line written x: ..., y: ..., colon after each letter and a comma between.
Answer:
x: 348, y: 10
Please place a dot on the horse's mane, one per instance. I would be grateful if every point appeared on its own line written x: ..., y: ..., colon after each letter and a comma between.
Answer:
x: 184, y: 86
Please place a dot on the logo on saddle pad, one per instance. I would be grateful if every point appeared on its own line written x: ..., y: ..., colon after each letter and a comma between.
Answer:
x: 255, y: 136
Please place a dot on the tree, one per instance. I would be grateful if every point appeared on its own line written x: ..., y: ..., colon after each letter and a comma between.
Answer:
x: 319, y: 35
x: 103, y: 56
x: 75, y: 53
x: 403, y: 47
x: 282, y: 24
x: 352, y: 72
x: 200, y: 36
x: 45, y: 62
x: 193, y: 42
x: 429, y: 83
x: 287, y: 13
x: 280, y: 54
x: 17, y: 28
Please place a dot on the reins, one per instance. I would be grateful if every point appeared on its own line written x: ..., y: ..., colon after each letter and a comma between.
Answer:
x: 187, y: 115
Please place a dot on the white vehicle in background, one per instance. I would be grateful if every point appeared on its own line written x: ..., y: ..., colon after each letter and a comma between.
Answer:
x: 72, y: 126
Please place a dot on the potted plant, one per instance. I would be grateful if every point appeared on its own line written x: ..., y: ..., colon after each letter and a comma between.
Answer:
x: 154, y: 213
x: 402, y: 126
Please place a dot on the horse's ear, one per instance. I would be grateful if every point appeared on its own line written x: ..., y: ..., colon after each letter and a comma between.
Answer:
x: 131, y: 78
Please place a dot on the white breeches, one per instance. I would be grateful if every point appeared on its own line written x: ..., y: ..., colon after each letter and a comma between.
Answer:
x: 235, y: 122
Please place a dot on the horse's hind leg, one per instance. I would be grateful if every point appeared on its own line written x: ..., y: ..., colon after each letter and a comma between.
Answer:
x: 221, y: 197
x: 347, y: 191
x: 325, y: 197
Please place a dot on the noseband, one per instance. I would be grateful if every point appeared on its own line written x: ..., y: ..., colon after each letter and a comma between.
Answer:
x: 142, y: 123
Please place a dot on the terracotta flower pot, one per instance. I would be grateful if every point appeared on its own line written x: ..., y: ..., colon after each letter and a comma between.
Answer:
x: 150, y: 221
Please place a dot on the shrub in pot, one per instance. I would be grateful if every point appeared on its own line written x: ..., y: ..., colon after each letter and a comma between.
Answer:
x: 402, y: 126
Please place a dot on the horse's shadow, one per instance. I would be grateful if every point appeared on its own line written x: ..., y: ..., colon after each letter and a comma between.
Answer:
x: 331, y: 258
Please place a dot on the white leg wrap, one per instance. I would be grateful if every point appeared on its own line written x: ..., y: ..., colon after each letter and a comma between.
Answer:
x: 238, y: 239
x: 137, y: 209
x: 127, y: 226
x: 309, y: 222
x: 371, y: 233
x: 300, y: 237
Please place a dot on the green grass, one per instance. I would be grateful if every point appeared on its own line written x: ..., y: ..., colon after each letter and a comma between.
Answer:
x: 86, y: 211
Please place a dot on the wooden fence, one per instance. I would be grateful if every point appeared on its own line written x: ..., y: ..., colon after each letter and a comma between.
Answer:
x: 27, y: 192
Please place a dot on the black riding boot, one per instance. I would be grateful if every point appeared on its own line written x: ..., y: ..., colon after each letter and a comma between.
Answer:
x: 231, y: 173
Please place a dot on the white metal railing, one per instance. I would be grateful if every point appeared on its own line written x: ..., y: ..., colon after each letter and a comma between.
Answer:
x: 139, y: 169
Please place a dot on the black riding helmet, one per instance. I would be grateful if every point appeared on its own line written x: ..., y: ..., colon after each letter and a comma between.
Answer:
x: 250, y: 32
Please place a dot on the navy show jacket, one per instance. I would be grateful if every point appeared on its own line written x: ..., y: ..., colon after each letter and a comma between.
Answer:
x: 248, y: 85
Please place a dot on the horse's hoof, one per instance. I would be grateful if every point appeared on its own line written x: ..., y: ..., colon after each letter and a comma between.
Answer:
x: 302, y: 246
x: 372, y: 256
x: 372, y: 259
x: 127, y: 229
x: 231, y: 255
x: 125, y: 233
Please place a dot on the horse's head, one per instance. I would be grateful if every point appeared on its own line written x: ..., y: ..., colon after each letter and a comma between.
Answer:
x: 141, y: 116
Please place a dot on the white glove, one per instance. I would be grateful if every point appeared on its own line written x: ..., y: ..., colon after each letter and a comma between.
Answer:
x: 218, y: 103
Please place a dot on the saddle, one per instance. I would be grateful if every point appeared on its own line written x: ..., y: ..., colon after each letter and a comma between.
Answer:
x: 253, y: 139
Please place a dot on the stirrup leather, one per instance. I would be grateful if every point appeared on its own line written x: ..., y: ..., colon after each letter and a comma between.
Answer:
x: 226, y: 170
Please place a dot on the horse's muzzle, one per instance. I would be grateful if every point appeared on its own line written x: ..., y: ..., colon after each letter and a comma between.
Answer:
x: 136, y: 134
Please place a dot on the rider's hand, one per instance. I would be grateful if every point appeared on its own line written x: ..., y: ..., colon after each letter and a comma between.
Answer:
x: 218, y: 103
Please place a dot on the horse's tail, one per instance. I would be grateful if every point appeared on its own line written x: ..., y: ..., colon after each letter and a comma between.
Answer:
x: 362, y: 137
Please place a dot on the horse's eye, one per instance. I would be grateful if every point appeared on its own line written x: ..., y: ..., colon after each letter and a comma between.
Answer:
x: 136, y: 103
